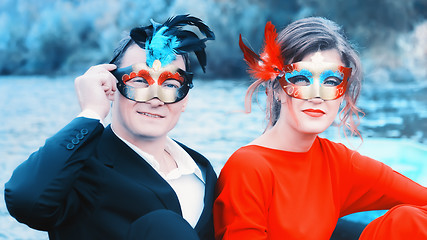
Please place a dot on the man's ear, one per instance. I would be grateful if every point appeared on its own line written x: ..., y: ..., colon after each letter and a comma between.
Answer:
x: 184, y: 105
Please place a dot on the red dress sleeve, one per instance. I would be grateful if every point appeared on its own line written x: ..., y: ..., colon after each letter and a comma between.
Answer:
x: 401, y: 222
x: 372, y: 185
x: 244, y: 190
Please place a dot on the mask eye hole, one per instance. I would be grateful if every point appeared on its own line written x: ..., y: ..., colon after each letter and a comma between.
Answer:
x: 138, y: 82
x: 171, y: 84
x: 299, y: 80
x: 331, y: 82
x: 330, y: 78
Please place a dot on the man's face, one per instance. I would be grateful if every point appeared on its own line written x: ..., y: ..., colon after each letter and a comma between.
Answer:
x: 153, y: 118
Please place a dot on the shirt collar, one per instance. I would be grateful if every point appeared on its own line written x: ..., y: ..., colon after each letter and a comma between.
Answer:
x: 184, y: 161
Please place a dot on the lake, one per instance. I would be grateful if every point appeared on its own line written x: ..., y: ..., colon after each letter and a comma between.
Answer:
x: 32, y: 108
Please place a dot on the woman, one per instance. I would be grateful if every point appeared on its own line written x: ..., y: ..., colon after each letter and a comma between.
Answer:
x: 291, y: 184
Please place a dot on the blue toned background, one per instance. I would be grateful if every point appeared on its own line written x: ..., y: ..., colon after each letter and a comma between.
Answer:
x: 44, y: 45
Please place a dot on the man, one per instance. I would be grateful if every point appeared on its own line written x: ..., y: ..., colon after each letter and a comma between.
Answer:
x: 128, y: 180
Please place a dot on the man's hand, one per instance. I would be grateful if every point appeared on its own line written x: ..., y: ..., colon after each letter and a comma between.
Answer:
x: 95, y: 89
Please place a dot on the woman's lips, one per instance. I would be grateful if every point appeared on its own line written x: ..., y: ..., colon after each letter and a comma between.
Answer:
x: 314, y: 112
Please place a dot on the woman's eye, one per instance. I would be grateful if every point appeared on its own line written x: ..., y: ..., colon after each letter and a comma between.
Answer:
x: 171, y: 83
x: 299, y: 80
x: 138, y: 82
x: 331, y: 82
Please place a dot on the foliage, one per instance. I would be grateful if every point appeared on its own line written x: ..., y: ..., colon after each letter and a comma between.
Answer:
x: 68, y: 36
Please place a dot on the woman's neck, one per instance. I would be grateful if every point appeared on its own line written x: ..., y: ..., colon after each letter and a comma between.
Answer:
x: 283, y: 137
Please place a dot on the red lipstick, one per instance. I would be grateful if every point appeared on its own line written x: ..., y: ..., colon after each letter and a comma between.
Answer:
x: 314, y: 112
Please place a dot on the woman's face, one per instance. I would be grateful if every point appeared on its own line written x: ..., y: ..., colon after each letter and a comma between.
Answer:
x: 314, y: 115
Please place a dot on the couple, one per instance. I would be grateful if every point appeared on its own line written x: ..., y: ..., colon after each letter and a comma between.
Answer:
x: 129, y: 180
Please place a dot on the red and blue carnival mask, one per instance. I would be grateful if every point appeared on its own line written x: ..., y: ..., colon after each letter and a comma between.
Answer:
x: 315, y: 79
x: 302, y: 80
x: 158, y: 77
x: 141, y: 83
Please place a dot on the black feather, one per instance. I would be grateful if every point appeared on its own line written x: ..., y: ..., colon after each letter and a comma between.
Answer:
x: 201, y: 57
x: 188, y: 40
x: 181, y: 20
x: 191, y: 47
x: 140, y: 35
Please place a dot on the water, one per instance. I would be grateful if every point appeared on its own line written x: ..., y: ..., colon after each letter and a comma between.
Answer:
x: 34, y: 108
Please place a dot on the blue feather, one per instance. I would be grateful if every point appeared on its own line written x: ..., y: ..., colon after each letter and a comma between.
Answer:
x: 165, y: 41
x: 161, y: 47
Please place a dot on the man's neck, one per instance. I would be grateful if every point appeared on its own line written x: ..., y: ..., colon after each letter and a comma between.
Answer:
x: 151, y: 145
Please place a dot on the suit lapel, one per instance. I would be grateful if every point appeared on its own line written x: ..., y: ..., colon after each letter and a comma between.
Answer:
x: 114, y: 153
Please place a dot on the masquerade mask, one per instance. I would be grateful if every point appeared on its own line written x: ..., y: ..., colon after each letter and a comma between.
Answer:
x: 306, y: 80
x: 158, y: 77
x: 303, y: 80
x: 141, y: 83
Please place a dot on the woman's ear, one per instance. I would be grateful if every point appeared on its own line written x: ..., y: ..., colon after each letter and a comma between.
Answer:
x: 277, y: 97
x: 281, y: 96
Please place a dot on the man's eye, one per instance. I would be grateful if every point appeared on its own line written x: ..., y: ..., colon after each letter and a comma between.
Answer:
x: 331, y: 82
x: 138, y: 82
x: 299, y: 80
x: 171, y: 83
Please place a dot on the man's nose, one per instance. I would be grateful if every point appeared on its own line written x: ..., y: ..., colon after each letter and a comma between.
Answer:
x: 155, y: 102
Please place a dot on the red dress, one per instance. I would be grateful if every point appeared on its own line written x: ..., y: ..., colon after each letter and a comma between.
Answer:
x: 265, y: 193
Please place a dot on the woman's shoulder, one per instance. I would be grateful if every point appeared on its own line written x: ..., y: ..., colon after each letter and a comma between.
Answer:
x: 342, y: 154
x: 247, y: 164
x: 251, y: 152
x: 249, y: 156
x: 334, y: 147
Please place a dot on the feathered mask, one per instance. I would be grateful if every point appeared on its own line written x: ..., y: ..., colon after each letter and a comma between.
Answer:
x: 269, y: 64
x: 164, y: 41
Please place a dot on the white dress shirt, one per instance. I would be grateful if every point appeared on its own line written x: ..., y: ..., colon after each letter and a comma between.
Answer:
x: 187, y: 180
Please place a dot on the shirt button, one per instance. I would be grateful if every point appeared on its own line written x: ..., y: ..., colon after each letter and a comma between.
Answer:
x: 70, y: 146
x: 75, y: 141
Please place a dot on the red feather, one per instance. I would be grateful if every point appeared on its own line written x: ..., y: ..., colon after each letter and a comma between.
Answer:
x: 252, y: 59
x: 269, y: 63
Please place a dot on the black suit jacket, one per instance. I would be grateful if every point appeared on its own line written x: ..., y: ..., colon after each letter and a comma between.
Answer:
x: 85, y: 183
